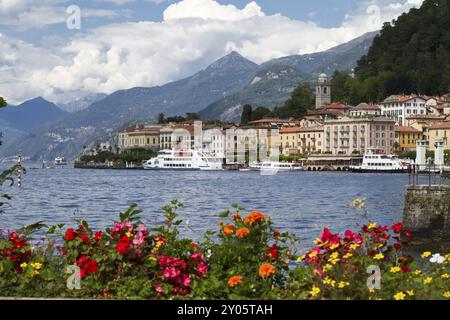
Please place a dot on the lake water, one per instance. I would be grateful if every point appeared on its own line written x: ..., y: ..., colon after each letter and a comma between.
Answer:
x: 299, y: 202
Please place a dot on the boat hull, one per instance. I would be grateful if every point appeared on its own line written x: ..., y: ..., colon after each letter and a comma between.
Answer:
x: 360, y: 170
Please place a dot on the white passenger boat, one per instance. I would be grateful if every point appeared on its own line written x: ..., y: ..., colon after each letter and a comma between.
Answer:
x: 183, y: 160
x: 60, y: 161
x: 376, y: 160
x: 276, y: 166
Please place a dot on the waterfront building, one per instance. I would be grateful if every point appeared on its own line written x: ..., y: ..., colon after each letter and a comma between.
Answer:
x: 214, y: 139
x: 399, y: 107
x: 323, y: 91
x: 438, y: 105
x: 139, y: 136
x: 439, y: 131
x: 331, y: 110
x: 274, y: 122
x: 423, y: 122
x: 364, y: 110
x: 301, y: 140
x: 406, y: 137
x: 354, y: 135
x: 179, y: 135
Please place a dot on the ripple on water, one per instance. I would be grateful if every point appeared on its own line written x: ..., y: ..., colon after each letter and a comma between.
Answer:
x: 301, y: 202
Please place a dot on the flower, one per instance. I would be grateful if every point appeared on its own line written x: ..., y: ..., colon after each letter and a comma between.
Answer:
x: 379, y: 256
x: 399, y: 296
x: 70, y: 234
x: 354, y: 246
x: 446, y: 294
x: 98, y: 235
x: 234, y: 281
x: 201, y: 267
x: 347, y: 255
x: 314, y: 291
x: 395, y: 269
x: 228, y: 229
x: 37, y: 265
x: 410, y: 292
x: 427, y: 280
x: 24, y: 265
x: 397, y: 227
x: 329, y: 281
x: 266, y: 270
x: 437, y: 258
x: 254, y: 217
x: 417, y: 272
x: 426, y: 254
x: 343, y: 284
x: 122, y: 246
x: 371, y: 225
x: 242, y: 232
x: 445, y: 276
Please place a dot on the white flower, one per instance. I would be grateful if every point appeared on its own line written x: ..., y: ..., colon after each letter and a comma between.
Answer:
x: 209, y: 253
x: 437, y: 258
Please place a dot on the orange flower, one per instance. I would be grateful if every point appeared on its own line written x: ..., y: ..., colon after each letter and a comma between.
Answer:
x: 266, y: 270
x: 254, y: 217
x: 228, y: 229
x: 237, y: 217
x: 242, y: 232
x: 276, y: 234
x: 234, y: 281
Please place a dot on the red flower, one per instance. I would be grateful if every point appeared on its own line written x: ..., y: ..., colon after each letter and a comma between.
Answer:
x: 122, y: 246
x: 81, y: 261
x: 397, y: 227
x: 98, y: 235
x: 273, y: 252
x: 104, y: 293
x: 408, y: 234
x: 406, y: 269
x: 70, y: 234
x: 84, y: 238
x: 202, y: 268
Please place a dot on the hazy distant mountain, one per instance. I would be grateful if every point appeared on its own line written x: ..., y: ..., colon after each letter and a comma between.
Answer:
x: 276, y: 78
x: 31, y: 114
x: 343, y: 57
x: 68, y: 136
x: 82, y: 103
x: 9, y: 132
x: 270, y: 87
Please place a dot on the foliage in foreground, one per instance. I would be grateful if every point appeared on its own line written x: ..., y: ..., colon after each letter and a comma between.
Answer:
x: 245, y: 259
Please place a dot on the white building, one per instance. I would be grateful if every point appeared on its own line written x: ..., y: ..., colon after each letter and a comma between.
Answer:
x: 399, y: 107
x: 213, y: 141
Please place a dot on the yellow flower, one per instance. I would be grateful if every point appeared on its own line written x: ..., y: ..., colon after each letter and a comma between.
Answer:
x: 445, y: 276
x: 399, y: 296
x: 426, y: 254
x: 329, y: 281
x: 410, y: 292
x: 24, y: 265
x: 333, y: 261
x: 343, y: 284
x: 354, y: 246
x: 312, y: 254
x: 327, y: 267
x: 446, y: 294
x: 317, y: 240
x: 372, y: 290
x: 379, y: 256
x: 152, y: 258
x: 417, y: 272
x: 34, y: 273
x: 347, y: 255
x: 427, y: 280
x: 314, y: 291
x: 37, y: 265
x: 334, y: 255
x: 371, y: 225
x: 395, y: 269
x: 128, y: 234
x: 300, y: 259
x: 361, y: 205
x: 334, y: 246
x: 447, y: 256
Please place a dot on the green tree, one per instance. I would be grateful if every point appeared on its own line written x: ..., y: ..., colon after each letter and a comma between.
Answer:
x: 161, y: 118
x: 192, y: 116
x: 261, y: 112
x: 246, y: 115
x: 298, y: 104
x: 339, y: 91
x: 2, y: 102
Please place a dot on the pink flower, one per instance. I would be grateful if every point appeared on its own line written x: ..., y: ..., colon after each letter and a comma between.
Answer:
x: 159, y: 288
x: 201, y: 267
x: 198, y: 256
x: 186, y: 280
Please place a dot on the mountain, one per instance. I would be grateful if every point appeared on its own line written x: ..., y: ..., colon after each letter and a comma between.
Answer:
x: 412, y: 54
x: 82, y: 103
x: 342, y: 57
x: 275, y: 79
x: 68, y: 136
x: 269, y: 87
x: 9, y: 132
x: 31, y: 114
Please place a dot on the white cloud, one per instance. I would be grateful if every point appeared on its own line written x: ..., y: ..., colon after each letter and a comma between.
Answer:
x: 192, y: 35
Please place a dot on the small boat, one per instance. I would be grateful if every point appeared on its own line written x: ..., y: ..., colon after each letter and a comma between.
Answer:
x: 60, y: 161
x: 245, y: 169
x: 376, y: 160
x: 183, y: 160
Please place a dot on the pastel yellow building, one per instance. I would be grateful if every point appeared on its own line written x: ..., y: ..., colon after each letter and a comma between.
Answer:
x: 439, y: 131
x: 406, y: 137
x: 139, y: 136
x: 301, y: 140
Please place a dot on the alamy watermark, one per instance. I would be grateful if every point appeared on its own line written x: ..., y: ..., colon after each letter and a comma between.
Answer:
x: 73, y: 21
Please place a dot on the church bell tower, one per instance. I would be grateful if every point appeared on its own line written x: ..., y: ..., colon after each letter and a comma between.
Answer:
x: 323, y: 91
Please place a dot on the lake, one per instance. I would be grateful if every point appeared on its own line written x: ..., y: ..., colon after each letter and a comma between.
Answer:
x: 299, y: 202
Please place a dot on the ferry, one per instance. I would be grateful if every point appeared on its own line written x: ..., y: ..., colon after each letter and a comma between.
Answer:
x: 376, y: 160
x: 276, y: 166
x: 60, y: 161
x: 183, y: 160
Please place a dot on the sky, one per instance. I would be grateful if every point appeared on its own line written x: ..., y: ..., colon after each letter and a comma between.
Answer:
x: 63, y: 50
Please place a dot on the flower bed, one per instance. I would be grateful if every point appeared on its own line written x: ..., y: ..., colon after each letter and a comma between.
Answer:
x: 246, y: 258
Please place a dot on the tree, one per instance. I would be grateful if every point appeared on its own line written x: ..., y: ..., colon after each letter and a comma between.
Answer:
x: 192, y: 116
x: 2, y: 102
x: 260, y: 113
x: 161, y: 118
x: 246, y: 116
x: 300, y: 101
x: 339, y: 92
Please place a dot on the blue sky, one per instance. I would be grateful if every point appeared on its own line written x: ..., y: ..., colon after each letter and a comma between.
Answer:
x: 127, y: 43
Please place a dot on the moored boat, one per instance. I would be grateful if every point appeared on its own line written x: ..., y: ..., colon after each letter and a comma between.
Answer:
x: 376, y: 160
x: 183, y: 160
